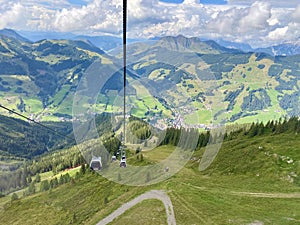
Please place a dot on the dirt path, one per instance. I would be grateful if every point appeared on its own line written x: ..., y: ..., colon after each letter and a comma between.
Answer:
x: 252, y: 194
x: 267, y: 195
x: 153, y: 194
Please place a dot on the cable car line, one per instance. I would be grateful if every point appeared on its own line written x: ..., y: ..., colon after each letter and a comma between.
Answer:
x: 124, y: 60
x: 123, y: 154
x: 38, y: 123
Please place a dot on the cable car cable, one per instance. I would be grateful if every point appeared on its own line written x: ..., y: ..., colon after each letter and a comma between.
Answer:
x: 124, y: 66
x: 40, y: 124
x: 123, y: 137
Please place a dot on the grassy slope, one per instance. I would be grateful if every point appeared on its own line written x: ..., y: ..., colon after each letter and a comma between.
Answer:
x: 147, y: 212
x: 226, y: 193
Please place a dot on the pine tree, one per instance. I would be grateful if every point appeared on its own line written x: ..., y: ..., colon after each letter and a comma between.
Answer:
x: 31, y: 188
x: 82, y: 169
x: 253, y: 130
x: 37, y: 178
x: 45, y: 186
x: 14, y: 197
x: 61, y: 180
x: 67, y: 178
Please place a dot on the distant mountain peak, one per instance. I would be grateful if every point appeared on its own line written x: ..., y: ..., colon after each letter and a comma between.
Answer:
x: 192, y: 44
x: 182, y: 44
x: 13, y: 34
x: 180, y: 40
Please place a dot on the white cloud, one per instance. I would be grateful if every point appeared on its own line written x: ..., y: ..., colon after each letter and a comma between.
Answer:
x: 12, y: 14
x: 95, y: 16
x: 293, y: 32
x: 278, y: 33
x: 296, y: 14
x: 275, y: 3
x: 191, y: 2
x: 256, y: 17
x: 225, y: 21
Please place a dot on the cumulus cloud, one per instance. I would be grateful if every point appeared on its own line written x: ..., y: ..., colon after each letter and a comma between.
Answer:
x: 256, y: 17
x: 98, y: 15
x: 275, y: 3
x: 11, y: 14
x: 255, y: 22
x: 166, y: 19
x: 191, y: 2
x: 226, y: 21
x: 293, y: 33
x: 278, y: 33
x: 286, y: 28
x: 296, y: 14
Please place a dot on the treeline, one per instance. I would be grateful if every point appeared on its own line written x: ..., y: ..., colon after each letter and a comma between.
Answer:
x: 138, y: 131
x: 49, y: 184
x: 180, y: 137
x: 272, y: 127
x: 55, y: 161
x: 112, y: 143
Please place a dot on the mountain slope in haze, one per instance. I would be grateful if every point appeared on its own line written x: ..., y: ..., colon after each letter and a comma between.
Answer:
x: 282, y: 49
x: 105, y: 43
x: 286, y: 49
x: 108, y: 43
x: 195, y: 45
x: 234, y: 45
x: 35, y: 76
x: 13, y: 34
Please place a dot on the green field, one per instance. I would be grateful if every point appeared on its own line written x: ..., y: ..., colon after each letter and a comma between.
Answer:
x: 147, y: 212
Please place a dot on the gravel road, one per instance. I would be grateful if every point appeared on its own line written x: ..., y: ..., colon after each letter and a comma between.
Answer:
x: 153, y: 194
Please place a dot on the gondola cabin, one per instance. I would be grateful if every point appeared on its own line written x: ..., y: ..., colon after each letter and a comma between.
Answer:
x: 123, y: 161
x: 96, y: 163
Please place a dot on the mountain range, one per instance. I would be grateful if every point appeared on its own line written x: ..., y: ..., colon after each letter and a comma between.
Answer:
x: 178, y: 81
x: 284, y: 49
x: 108, y: 43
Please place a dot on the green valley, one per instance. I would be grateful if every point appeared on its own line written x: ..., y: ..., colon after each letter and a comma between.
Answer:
x: 61, y: 106
x: 174, y: 80
x: 254, y: 179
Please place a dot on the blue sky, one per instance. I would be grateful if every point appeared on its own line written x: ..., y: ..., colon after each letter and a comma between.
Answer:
x: 218, y: 2
x: 221, y: 2
x: 77, y: 2
x: 257, y: 22
x: 172, y: 1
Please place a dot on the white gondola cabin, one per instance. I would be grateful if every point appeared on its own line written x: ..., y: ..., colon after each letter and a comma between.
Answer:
x: 114, y: 158
x: 96, y: 163
x: 123, y: 161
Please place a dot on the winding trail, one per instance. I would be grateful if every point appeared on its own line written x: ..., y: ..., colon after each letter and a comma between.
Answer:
x: 252, y: 194
x: 267, y: 195
x: 153, y: 194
